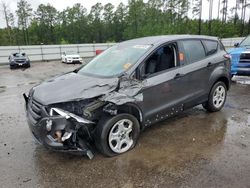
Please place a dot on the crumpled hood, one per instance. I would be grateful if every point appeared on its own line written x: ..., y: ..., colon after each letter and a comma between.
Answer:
x: 72, y: 86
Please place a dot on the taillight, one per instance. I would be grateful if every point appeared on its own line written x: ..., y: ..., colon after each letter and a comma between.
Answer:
x: 228, y: 56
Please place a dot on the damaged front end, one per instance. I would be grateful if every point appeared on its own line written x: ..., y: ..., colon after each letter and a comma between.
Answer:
x: 58, y: 129
x: 65, y: 123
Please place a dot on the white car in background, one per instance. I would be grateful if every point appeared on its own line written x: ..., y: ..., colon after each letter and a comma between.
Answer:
x: 71, y: 57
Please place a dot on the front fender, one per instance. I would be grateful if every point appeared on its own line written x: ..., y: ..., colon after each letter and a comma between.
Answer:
x: 138, y: 109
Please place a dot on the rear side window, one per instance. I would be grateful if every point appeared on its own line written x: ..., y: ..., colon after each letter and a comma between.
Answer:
x: 211, y: 46
x: 221, y: 46
x: 194, y: 50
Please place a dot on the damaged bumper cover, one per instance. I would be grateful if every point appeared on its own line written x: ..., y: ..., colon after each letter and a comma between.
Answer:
x: 62, y: 130
x: 59, y: 130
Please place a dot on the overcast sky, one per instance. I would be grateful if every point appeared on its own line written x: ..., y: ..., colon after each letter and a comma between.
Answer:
x: 62, y: 4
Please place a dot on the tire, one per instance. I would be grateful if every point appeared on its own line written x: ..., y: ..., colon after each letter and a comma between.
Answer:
x: 217, y: 97
x: 108, y: 134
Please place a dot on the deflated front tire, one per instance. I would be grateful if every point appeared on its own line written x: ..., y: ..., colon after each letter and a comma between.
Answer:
x: 116, y: 134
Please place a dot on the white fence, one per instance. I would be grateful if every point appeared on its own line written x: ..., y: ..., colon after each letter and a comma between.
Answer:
x: 229, y: 42
x: 53, y: 52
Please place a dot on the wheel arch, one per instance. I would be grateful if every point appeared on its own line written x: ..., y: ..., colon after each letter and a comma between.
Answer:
x: 219, y: 74
x: 225, y: 80
x: 132, y: 109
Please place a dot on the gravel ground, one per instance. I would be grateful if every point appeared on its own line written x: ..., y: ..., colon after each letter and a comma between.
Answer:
x: 193, y: 149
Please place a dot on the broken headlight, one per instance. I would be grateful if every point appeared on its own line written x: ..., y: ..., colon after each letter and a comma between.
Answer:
x: 75, y: 107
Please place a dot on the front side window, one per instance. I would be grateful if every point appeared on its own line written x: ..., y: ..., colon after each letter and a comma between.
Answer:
x: 211, y: 46
x: 162, y: 59
x: 194, y: 50
x: 115, y: 60
x: 221, y: 46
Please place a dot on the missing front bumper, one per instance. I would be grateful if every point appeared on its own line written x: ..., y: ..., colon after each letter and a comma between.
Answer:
x: 62, y: 131
x: 59, y: 134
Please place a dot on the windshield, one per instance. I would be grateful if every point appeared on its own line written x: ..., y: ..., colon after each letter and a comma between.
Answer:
x: 245, y: 42
x: 18, y: 55
x: 115, y: 60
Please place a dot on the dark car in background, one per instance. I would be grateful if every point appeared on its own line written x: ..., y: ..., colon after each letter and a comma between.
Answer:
x: 241, y: 58
x: 126, y: 88
x: 19, y: 60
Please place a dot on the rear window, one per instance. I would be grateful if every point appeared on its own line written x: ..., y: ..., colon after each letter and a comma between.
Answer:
x: 211, y: 46
x: 194, y: 50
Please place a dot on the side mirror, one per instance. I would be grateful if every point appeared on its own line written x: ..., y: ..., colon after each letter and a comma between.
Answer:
x: 23, y: 54
x: 236, y: 45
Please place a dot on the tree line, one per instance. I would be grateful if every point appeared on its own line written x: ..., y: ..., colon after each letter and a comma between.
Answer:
x: 105, y: 23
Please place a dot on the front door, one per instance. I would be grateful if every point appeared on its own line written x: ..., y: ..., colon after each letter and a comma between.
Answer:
x: 165, y: 84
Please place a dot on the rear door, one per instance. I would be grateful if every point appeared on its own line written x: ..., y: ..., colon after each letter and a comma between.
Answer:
x: 198, y: 67
x: 215, y: 55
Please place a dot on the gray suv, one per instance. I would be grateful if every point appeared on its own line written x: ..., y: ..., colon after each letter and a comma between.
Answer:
x: 128, y: 87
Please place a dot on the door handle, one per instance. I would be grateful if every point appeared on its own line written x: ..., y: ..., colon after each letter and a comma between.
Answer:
x: 178, y: 75
x: 209, y: 64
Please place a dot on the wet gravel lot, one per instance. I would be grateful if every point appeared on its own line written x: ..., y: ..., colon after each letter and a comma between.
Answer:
x: 194, y: 149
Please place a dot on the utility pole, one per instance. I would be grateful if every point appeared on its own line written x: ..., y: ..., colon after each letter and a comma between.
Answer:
x: 199, y: 32
x: 224, y: 13
x: 236, y: 9
x: 248, y: 29
x: 7, y: 19
x: 243, y: 15
x: 210, y: 16
x: 218, y: 17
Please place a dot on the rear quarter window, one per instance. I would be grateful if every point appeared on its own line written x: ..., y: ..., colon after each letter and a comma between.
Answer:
x: 221, y: 46
x: 211, y: 47
x: 194, y: 50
